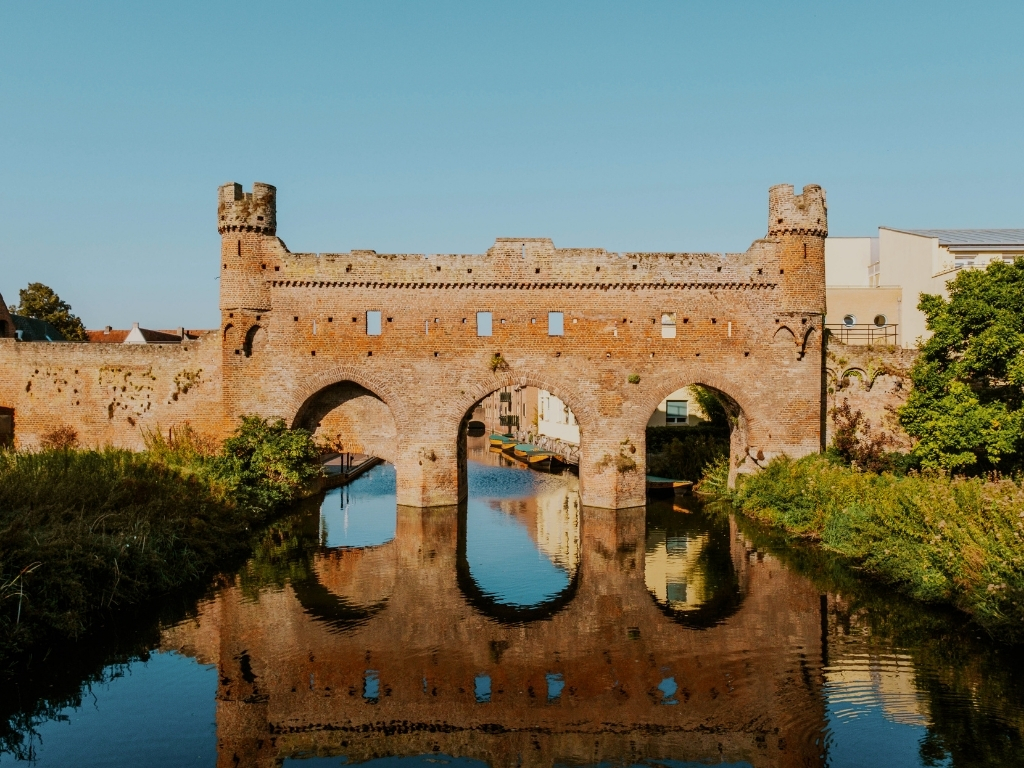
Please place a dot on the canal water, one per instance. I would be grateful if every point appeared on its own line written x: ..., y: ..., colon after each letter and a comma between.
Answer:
x: 523, y: 629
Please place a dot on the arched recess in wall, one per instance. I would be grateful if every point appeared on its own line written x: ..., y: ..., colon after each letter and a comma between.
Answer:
x: 255, y: 340
x: 350, y: 418
x: 692, y: 420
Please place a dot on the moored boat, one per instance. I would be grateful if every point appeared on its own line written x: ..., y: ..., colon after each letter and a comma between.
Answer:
x: 502, y: 441
x: 665, y: 485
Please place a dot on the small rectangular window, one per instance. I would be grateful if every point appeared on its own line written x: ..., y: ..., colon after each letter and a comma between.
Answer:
x: 675, y: 412
x: 483, y: 323
x: 668, y: 325
x: 373, y: 323
x: 556, y: 324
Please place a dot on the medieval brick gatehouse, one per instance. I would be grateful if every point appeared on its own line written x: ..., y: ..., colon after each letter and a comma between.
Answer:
x: 388, y: 353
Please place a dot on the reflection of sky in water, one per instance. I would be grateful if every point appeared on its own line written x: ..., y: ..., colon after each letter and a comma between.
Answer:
x: 115, y: 723
x: 362, y: 514
x: 504, y: 560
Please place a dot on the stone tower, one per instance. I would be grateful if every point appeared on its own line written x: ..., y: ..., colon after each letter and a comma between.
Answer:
x: 247, y: 222
x: 800, y: 224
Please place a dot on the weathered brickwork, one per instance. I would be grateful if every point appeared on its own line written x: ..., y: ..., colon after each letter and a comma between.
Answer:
x: 294, y: 327
x: 111, y: 393
x: 292, y: 665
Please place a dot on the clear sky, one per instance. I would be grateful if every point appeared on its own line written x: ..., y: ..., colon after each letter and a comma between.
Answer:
x: 436, y: 127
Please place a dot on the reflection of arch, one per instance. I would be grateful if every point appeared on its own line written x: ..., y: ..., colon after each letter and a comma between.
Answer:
x: 719, y: 566
x: 336, y: 612
x: 351, y: 418
x: 255, y: 339
x: 502, y: 612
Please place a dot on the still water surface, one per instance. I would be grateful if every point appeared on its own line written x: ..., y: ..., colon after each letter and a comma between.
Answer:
x: 523, y: 629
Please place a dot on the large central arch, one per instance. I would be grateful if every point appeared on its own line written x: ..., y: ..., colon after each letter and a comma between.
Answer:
x: 475, y: 394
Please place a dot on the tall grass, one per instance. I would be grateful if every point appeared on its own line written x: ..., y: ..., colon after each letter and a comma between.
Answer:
x: 937, y: 538
x: 83, y: 532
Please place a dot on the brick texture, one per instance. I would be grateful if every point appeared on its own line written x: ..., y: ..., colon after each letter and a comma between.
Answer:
x: 294, y: 328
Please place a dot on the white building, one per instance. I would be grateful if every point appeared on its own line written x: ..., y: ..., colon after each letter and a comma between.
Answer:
x: 873, y: 284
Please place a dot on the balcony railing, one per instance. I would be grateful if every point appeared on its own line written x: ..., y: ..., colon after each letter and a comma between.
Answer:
x: 866, y: 333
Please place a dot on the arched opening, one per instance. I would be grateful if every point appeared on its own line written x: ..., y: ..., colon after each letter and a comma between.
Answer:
x: 519, y: 522
x: 6, y: 427
x: 255, y: 340
x: 689, y: 431
x: 350, y: 420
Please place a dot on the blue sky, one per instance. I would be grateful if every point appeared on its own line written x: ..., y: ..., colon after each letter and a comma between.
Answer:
x: 436, y: 127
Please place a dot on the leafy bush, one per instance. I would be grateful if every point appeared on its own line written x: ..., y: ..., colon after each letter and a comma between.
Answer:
x: 938, y: 538
x: 268, y: 463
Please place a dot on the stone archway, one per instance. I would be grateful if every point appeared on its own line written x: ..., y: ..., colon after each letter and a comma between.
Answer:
x: 477, y: 392
x: 743, y: 418
x: 349, y: 417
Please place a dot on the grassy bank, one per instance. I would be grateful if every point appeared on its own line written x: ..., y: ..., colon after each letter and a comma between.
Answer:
x: 85, y: 532
x: 937, y: 538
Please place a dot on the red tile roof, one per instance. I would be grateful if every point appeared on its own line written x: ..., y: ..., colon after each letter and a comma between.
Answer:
x: 114, y: 336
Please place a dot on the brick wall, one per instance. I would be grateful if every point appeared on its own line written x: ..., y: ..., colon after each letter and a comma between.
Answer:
x: 294, y: 326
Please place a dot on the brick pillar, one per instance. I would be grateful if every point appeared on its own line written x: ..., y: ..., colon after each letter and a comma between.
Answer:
x: 612, y: 470
x: 426, y: 472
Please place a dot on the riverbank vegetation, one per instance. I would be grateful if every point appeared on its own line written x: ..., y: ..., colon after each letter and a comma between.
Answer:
x: 936, y: 537
x: 940, y: 522
x: 85, y: 532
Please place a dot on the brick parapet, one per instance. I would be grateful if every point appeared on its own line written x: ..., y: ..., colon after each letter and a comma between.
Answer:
x: 294, y: 325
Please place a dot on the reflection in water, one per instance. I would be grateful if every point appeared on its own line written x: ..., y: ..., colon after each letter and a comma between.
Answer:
x: 599, y: 638
x: 689, y: 567
x: 362, y: 513
x: 522, y: 533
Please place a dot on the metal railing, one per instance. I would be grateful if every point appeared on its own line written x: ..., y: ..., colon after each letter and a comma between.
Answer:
x: 866, y: 333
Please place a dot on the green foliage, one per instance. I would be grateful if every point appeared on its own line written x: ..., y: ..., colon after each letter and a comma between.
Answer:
x: 269, y: 463
x: 41, y: 302
x: 965, y: 408
x: 710, y: 403
x: 83, y: 532
x: 683, y: 453
x: 938, y: 538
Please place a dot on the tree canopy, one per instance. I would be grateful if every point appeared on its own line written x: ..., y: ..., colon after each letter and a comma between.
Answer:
x: 965, y: 408
x: 41, y: 302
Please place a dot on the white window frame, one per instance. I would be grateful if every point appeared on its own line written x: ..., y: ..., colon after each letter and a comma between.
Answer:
x: 484, y: 324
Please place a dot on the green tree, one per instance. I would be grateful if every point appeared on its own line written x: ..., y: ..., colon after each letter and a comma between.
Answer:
x: 965, y: 407
x: 41, y: 302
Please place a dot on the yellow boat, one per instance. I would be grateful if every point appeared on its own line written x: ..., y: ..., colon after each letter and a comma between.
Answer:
x: 502, y: 441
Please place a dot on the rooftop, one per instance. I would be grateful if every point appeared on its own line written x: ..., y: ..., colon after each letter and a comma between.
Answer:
x: 977, y: 239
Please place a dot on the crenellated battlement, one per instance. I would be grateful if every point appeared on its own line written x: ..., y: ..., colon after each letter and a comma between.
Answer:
x: 239, y: 211
x: 792, y: 214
